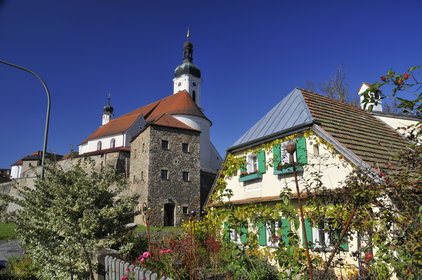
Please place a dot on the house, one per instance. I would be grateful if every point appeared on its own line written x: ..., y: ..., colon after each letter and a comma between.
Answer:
x: 28, y: 165
x: 164, y: 148
x: 331, y: 137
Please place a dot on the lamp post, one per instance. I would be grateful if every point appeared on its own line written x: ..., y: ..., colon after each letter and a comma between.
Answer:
x: 47, y: 118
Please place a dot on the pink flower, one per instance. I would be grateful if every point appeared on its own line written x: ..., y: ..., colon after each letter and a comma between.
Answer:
x: 168, y: 251
x: 146, y: 254
x: 127, y: 269
x: 142, y: 260
x: 162, y: 251
x: 124, y: 277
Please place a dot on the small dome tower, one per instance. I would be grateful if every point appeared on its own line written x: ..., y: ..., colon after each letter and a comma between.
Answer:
x: 187, y: 75
x: 107, y: 112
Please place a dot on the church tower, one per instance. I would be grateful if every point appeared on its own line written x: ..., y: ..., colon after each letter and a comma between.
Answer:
x: 187, y: 76
x: 107, y: 112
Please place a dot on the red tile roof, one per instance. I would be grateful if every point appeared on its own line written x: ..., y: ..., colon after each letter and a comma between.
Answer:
x: 169, y: 121
x: 179, y: 103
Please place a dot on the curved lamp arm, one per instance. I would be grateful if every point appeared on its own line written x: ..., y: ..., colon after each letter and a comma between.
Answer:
x: 47, y: 118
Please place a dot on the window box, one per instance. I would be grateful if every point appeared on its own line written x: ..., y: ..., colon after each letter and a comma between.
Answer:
x: 250, y: 177
x: 287, y: 168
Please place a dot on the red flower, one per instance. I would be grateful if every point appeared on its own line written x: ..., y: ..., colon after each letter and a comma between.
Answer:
x: 390, y: 165
x: 407, y: 271
x: 400, y: 82
x: 383, y: 78
x: 406, y: 76
x: 368, y: 257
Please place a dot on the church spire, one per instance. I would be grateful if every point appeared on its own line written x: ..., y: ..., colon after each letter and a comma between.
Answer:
x: 188, y: 49
x: 107, y: 111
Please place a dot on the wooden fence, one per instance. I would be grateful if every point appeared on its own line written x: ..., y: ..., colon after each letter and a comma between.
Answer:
x: 115, y: 269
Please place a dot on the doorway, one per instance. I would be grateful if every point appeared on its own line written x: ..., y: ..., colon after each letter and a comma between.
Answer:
x: 169, y: 215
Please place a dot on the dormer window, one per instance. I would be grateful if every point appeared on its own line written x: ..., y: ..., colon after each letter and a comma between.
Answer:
x: 99, y: 145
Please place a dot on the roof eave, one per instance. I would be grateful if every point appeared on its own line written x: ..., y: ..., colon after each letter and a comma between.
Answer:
x: 270, y: 137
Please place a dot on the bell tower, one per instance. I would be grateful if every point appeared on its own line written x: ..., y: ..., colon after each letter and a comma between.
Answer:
x: 107, y: 112
x: 187, y: 75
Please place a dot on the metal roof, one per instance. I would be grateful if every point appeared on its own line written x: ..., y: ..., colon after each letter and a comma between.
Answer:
x: 289, y: 112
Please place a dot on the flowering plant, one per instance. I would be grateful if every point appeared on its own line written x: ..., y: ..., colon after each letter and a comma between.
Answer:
x: 245, y: 173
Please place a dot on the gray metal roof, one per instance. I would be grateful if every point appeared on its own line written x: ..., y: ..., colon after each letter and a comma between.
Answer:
x: 289, y: 112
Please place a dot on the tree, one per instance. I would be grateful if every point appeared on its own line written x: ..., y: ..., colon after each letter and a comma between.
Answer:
x: 335, y: 87
x: 406, y: 89
x: 70, y: 215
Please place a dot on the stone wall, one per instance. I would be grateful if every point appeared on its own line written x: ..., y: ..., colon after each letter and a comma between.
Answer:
x: 149, y: 158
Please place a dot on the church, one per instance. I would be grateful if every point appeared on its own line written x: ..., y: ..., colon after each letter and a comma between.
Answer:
x: 163, y: 148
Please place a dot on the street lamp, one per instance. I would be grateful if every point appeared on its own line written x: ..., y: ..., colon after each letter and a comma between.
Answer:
x: 47, y: 118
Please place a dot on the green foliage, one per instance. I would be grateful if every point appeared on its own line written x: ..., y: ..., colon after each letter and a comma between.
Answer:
x: 20, y: 269
x: 7, y: 231
x: 70, y: 215
x: 406, y: 90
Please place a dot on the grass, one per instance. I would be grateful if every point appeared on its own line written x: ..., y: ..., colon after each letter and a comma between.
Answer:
x: 7, y: 231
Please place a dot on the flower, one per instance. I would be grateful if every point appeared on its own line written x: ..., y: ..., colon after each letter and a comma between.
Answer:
x: 406, y: 76
x: 162, y: 251
x: 142, y: 260
x: 146, y: 254
x: 368, y: 257
x: 383, y: 78
x: 390, y: 165
x: 124, y: 277
x: 400, y: 82
x: 127, y: 269
x: 168, y: 251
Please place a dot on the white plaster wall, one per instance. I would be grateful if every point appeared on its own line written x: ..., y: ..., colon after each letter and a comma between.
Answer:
x: 15, y: 171
x: 207, y: 151
x: 185, y: 82
x: 333, y: 168
x: 91, y: 146
x: 377, y: 107
x: 395, y: 123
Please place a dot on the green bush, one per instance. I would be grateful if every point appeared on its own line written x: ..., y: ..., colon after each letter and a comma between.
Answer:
x: 20, y: 269
x: 7, y: 231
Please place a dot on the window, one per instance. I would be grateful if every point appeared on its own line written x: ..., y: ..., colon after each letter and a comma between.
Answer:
x: 282, y: 160
x: 112, y: 143
x: 99, y: 145
x: 235, y: 236
x: 274, y: 231
x: 252, y: 163
x: 316, y: 150
x: 322, y: 238
x: 185, y: 147
x: 143, y: 147
x: 164, y: 144
x: 194, y: 96
x: 185, y: 176
x: 185, y: 210
x: 164, y: 174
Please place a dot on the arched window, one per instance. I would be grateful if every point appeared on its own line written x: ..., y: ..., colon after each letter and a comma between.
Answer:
x: 194, y: 95
x: 99, y: 145
x: 112, y: 143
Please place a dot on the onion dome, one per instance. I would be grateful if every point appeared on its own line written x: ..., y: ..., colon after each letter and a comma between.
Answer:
x: 187, y: 67
x: 108, y: 109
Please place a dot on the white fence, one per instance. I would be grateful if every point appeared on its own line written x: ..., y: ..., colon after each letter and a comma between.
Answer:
x: 115, y: 269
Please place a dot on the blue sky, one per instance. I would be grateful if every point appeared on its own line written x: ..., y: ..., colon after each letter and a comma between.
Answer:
x: 251, y: 54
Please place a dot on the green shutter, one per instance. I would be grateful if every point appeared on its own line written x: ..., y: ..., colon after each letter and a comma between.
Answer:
x: 244, y: 233
x: 344, y: 245
x: 243, y: 165
x: 261, y: 161
x: 309, y: 236
x: 285, y: 230
x: 301, y: 154
x: 262, y: 234
x: 276, y: 156
x: 226, y: 232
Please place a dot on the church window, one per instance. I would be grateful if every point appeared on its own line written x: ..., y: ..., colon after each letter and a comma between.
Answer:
x: 185, y: 176
x: 194, y: 95
x: 185, y: 147
x: 143, y: 147
x: 164, y: 174
x: 99, y: 145
x: 112, y: 143
x: 164, y: 144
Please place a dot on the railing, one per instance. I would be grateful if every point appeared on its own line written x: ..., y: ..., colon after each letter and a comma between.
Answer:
x: 115, y: 269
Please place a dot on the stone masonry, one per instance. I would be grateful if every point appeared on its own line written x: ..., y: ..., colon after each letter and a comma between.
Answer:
x: 148, y: 159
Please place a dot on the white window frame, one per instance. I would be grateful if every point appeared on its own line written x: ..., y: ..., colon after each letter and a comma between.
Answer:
x: 251, y: 163
x: 321, y: 236
x: 277, y: 226
x: 284, y: 155
x: 235, y: 236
